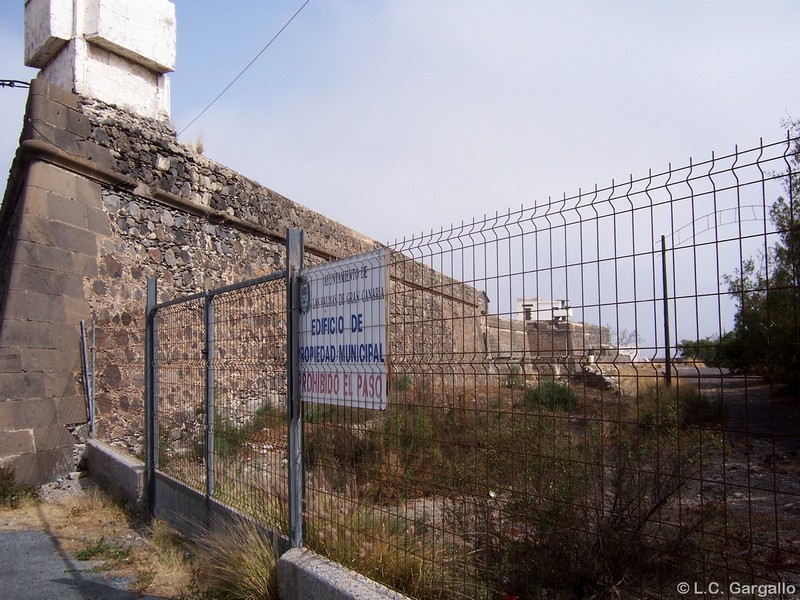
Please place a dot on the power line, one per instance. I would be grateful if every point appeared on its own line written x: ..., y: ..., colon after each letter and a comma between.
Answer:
x: 14, y: 83
x: 242, y: 72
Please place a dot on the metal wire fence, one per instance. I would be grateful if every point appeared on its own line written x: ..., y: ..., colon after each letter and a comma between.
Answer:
x: 221, y: 396
x: 595, y: 397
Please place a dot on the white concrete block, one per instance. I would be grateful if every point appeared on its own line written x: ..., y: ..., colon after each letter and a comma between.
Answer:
x: 117, y: 51
x: 60, y: 70
x: 142, y: 31
x: 48, y: 28
x: 117, y: 80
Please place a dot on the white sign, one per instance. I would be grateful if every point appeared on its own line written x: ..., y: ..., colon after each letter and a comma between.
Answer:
x: 343, y: 332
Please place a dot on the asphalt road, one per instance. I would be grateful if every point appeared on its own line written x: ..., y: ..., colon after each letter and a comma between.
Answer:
x: 34, y: 567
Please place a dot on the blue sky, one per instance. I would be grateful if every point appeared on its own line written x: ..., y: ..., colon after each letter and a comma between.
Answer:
x: 399, y: 116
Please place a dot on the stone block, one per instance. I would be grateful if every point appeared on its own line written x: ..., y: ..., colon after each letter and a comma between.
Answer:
x: 48, y: 28
x: 89, y: 193
x: 119, y: 475
x: 15, y: 306
x: 142, y: 31
x: 17, y: 386
x: 84, y: 265
x: 36, y: 129
x: 26, y: 414
x: 66, y: 210
x: 30, y: 278
x: 40, y: 360
x: 42, y: 231
x: 59, y: 94
x: 43, y: 110
x: 71, y: 410
x: 97, y: 221
x: 58, y: 384
x: 25, y: 334
x: 65, y: 336
x: 97, y: 154
x: 51, y: 178
x: 305, y: 574
x: 68, y: 142
x: 37, y: 468
x: 10, y: 361
x: 70, y: 285
x: 35, y: 202
x: 38, y: 255
x: 16, y: 442
x: 78, y: 124
x: 45, y: 307
x: 49, y: 438
x: 77, y: 309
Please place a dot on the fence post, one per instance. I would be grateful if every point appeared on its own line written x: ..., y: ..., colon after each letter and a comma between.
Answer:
x: 294, y: 263
x: 91, y: 404
x: 87, y: 385
x: 667, y: 344
x: 209, y: 352
x: 150, y: 423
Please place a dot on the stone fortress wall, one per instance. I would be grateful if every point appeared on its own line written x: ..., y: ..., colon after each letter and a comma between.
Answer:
x: 99, y: 200
x: 101, y: 196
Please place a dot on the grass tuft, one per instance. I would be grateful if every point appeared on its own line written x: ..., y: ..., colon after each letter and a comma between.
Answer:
x: 11, y: 492
x: 236, y: 560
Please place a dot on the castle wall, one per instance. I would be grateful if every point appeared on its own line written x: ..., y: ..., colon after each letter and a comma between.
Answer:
x: 51, y: 221
x: 99, y: 200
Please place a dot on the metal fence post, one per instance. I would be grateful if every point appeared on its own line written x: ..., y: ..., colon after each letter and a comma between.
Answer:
x: 667, y: 358
x: 87, y: 384
x: 93, y: 388
x: 209, y: 352
x: 151, y: 436
x: 294, y: 263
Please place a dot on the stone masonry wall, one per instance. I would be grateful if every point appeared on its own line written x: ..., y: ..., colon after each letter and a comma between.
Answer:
x: 51, y: 220
x: 98, y: 201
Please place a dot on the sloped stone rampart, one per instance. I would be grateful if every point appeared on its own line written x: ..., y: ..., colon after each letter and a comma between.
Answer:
x: 98, y: 201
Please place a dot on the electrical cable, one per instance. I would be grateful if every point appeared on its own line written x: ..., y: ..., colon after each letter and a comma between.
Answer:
x: 242, y: 72
x: 14, y: 83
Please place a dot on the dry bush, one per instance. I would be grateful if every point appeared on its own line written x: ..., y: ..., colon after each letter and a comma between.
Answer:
x: 389, y: 546
x: 236, y: 559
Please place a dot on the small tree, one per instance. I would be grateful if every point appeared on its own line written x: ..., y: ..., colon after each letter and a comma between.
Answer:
x: 766, y: 334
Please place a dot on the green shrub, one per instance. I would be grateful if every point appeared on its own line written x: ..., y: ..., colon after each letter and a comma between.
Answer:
x: 565, y: 519
x: 341, y: 452
x: 409, y: 429
x: 402, y: 383
x: 513, y: 380
x: 12, y: 493
x: 680, y: 405
x: 551, y: 395
x: 231, y: 438
x: 701, y: 411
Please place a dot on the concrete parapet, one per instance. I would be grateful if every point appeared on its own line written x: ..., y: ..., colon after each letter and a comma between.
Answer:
x: 305, y: 575
x: 121, y: 476
x: 302, y: 574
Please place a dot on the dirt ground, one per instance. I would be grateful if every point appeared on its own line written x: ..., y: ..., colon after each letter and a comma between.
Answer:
x: 90, y: 528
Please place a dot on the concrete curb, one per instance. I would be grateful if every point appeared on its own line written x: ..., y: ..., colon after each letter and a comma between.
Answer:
x: 121, y: 476
x: 303, y: 574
